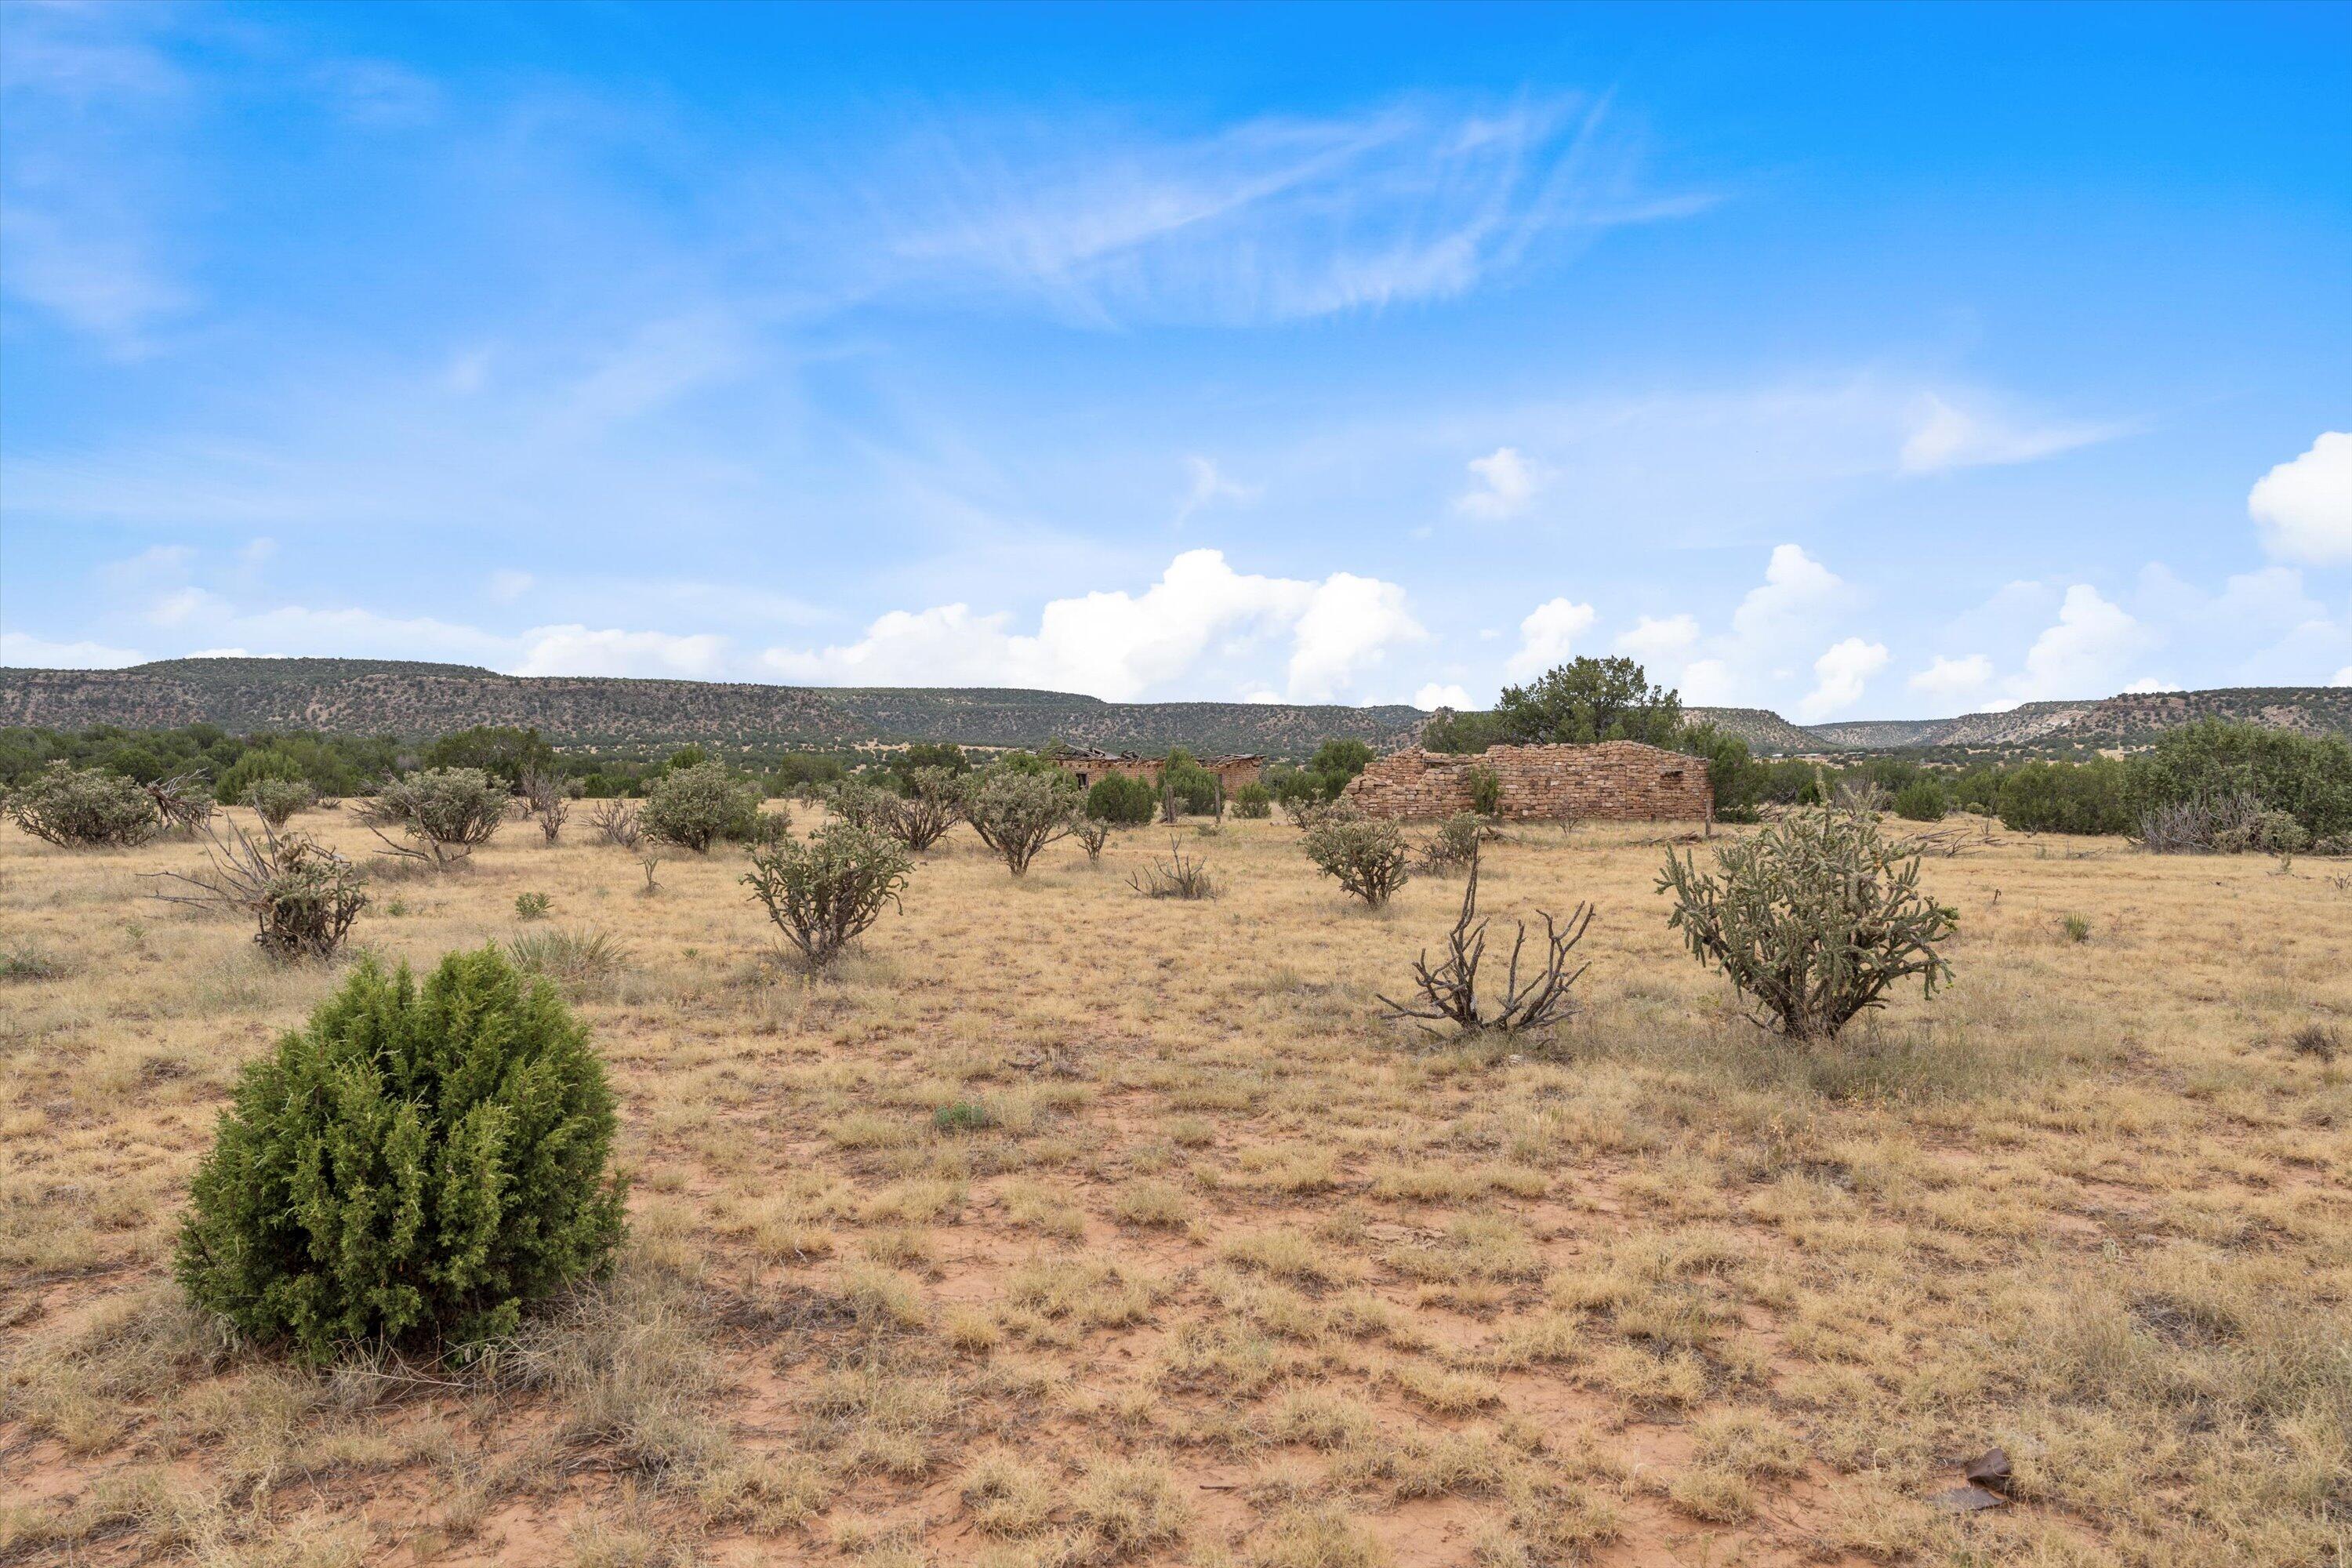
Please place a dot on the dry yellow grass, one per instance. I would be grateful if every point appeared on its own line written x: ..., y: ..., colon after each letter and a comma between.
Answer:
x: 1235, y: 1272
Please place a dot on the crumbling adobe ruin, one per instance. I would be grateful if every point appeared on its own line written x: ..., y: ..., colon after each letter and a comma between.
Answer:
x: 1611, y: 781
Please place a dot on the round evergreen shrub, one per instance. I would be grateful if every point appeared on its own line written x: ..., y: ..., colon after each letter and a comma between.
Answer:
x: 1921, y: 800
x: 414, y: 1166
x: 1122, y: 801
x: 1252, y: 801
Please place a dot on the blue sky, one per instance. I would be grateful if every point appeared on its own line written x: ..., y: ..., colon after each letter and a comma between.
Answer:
x: 1853, y: 362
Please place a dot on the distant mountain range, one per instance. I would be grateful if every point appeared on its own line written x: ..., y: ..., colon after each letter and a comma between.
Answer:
x: 370, y: 697
x: 374, y: 697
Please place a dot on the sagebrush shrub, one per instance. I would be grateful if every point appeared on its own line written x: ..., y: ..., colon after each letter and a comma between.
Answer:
x: 1121, y: 800
x: 1018, y: 813
x: 825, y: 891
x: 1813, y: 920
x: 276, y: 801
x: 83, y: 808
x: 1367, y: 855
x: 415, y: 1165
x: 694, y: 807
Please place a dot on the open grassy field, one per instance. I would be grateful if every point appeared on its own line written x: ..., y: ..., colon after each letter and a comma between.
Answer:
x: 1226, y: 1269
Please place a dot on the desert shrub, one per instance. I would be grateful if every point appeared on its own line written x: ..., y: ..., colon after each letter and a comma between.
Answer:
x: 276, y: 801
x: 507, y: 752
x: 533, y: 906
x: 860, y: 804
x: 944, y: 755
x: 544, y: 792
x: 1018, y: 813
x: 2307, y: 777
x: 1735, y: 781
x: 1092, y: 833
x: 1181, y: 876
x: 258, y: 763
x: 2065, y: 797
x: 448, y: 812
x: 180, y: 802
x: 1813, y: 920
x: 416, y: 1165
x: 1921, y: 800
x: 1486, y: 786
x: 2214, y: 825
x: 1367, y: 855
x: 1123, y: 800
x: 1454, y: 845
x: 301, y: 896
x: 616, y: 823
x: 83, y: 807
x: 1254, y: 801
x: 825, y: 891
x: 694, y: 807
x: 1186, y: 788
x: 1447, y: 997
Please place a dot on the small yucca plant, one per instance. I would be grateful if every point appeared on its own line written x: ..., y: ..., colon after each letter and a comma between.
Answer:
x: 413, y: 1167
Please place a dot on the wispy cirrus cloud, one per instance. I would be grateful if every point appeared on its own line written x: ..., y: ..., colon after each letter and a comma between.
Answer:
x: 1278, y: 218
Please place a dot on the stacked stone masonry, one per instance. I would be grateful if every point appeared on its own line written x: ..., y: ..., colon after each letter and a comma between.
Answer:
x: 1613, y: 781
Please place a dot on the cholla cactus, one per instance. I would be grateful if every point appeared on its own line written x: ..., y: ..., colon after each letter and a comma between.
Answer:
x: 1018, y: 813
x: 825, y: 891
x: 1368, y: 855
x: 1813, y: 920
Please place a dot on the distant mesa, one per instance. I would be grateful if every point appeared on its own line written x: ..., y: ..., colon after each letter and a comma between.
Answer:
x: 374, y: 697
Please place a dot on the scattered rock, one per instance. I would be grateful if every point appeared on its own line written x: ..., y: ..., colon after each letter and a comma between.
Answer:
x: 1990, y: 1468
x: 1967, y: 1500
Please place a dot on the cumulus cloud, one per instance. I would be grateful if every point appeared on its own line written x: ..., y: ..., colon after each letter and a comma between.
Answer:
x: 1788, y: 605
x: 1954, y: 680
x: 2085, y: 652
x: 1547, y: 637
x: 1434, y: 696
x: 1840, y: 675
x: 2304, y: 507
x: 1943, y: 435
x: 22, y: 650
x: 2343, y: 676
x: 1506, y: 482
x: 1665, y: 642
x: 1120, y: 646
x: 578, y: 650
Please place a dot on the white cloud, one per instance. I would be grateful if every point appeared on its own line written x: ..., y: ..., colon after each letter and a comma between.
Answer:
x: 1506, y: 482
x: 1840, y: 675
x: 2153, y: 683
x: 1210, y: 487
x: 1788, y: 605
x: 2084, y: 654
x: 1434, y: 696
x: 1664, y: 646
x: 1269, y: 220
x: 578, y: 650
x: 22, y: 650
x: 507, y: 584
x: 1954, y: 680
x: 2304, y: 507
x: 1547, y: 637
x: 1120, y: 646
x: 1944, y: 436
x: 2343, y: 676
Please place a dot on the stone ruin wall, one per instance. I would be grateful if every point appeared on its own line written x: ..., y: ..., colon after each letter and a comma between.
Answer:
x: 1613, y: 781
